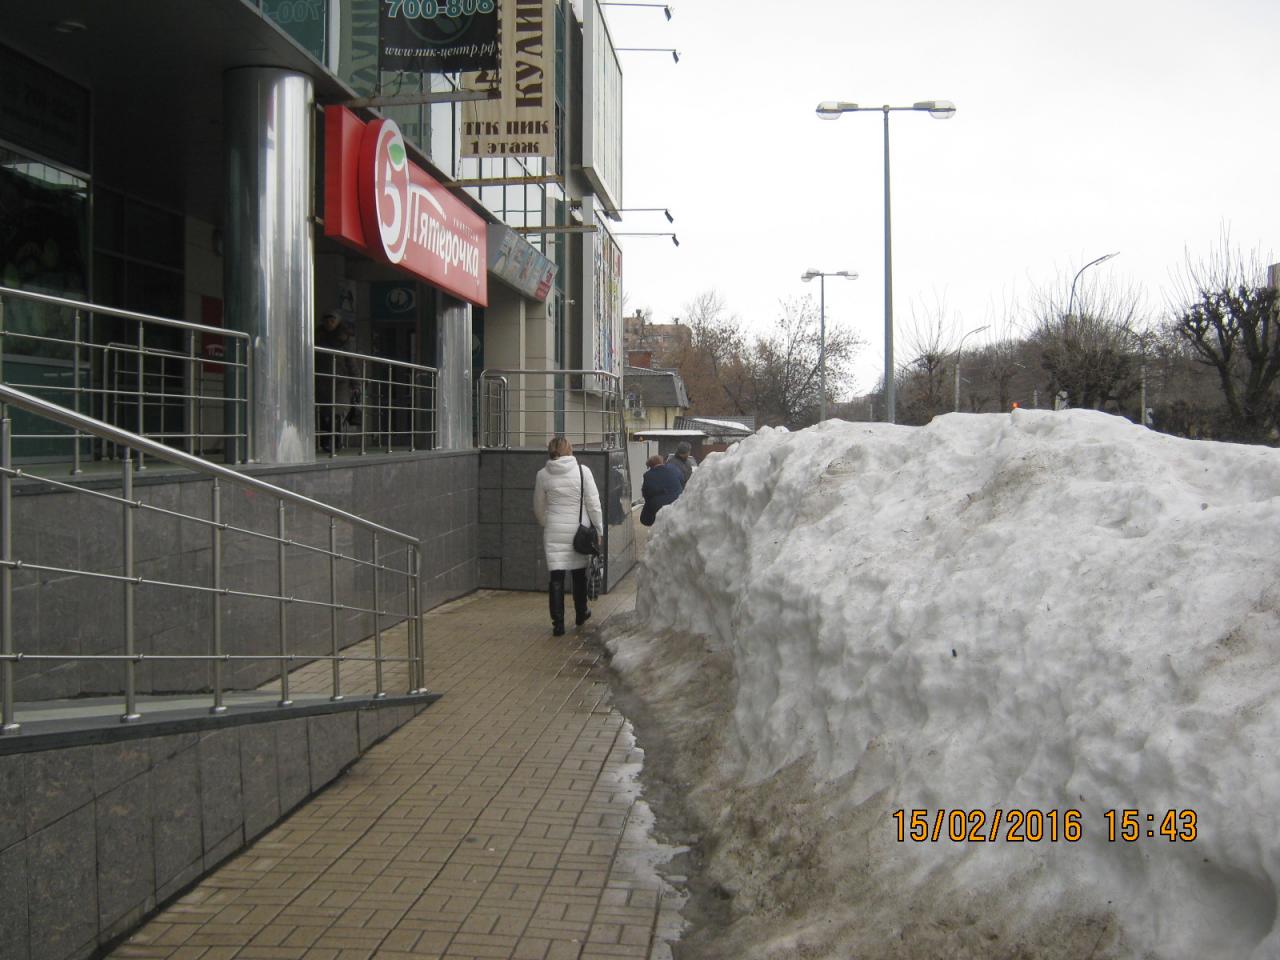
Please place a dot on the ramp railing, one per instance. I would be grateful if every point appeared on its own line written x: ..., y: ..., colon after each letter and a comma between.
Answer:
x: 325, y: 560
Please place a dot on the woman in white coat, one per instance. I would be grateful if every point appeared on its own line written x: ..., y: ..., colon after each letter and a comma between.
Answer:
x: 564, y: 496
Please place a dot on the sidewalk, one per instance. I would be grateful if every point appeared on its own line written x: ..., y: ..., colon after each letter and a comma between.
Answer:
x: 501, y: 822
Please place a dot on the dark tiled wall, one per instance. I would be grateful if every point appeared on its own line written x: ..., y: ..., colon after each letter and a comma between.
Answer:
x: 94, y: 838
x: 510, y: 546
x: 430, y: 495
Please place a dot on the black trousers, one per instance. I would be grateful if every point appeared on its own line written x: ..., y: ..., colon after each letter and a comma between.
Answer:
x: 556, y: 595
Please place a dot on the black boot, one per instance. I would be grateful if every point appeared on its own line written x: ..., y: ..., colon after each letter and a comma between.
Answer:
x: 555, y: 593
x: 581, y: 613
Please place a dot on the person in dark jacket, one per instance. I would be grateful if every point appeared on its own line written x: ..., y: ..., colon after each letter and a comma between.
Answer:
x: 683, y: 462
x: 662, y: 485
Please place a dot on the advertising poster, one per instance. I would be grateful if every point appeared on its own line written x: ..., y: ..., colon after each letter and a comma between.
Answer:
x: 438, y: 36
x: 522, y: 122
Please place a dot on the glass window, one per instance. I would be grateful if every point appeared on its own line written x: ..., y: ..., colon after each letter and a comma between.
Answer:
x: 44, y: 220
x: 303, y: 20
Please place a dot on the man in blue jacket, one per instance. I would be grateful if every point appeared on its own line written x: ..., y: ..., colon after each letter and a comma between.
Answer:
x: 662, y: 485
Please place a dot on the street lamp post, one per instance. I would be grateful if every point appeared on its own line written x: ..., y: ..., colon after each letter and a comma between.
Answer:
x: 1071, y: 300
x: 822, y: 328
x: 959, y: 349
x: 939, y: 110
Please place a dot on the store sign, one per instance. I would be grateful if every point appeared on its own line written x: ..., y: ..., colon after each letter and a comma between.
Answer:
x: 522, y: 122
x: 382, y: 203
x: 515, y: 261
x: 438, y: 36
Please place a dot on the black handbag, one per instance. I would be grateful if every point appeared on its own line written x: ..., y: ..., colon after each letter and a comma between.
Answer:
x: 587, y: 539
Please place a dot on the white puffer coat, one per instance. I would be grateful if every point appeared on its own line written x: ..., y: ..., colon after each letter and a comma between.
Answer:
x: 555, y: 504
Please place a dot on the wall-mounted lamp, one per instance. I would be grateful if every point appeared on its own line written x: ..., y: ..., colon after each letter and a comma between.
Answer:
x: 661, y: 6
x: 662, y: 210
x: 674, y: 238
x: 675, y: 54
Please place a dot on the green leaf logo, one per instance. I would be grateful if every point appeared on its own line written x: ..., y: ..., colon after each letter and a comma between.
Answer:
x: 396, y: 152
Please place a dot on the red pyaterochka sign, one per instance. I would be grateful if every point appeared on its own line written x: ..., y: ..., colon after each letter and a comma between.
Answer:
x: 380, y: 202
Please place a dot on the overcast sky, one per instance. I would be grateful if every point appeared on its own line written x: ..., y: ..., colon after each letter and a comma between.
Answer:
x: 1082, y: 128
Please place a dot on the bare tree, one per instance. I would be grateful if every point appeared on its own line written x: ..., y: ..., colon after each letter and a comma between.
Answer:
x: 713, y: 363
x: 1092, y: 353
x: 923, y: 378
x: 1229, y: 320
x: 785, y: 365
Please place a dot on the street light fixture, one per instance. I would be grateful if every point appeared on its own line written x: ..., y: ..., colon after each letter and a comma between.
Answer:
x: 822, y: 327
x: 662, y: 6
x: 675, y: 54
x: 939, y: 110
x: 674, y: 238
x: 960, y: 348
x: 1071, y: 300
x: 662, y: 210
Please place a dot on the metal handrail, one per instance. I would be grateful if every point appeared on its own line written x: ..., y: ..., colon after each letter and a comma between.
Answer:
x: 123, y: 314
x: 607, y: 418
x: 375, y: 396
x: 78, y: 421
x: 217, y: 591
x: 238, y: 362
x: 405, y: 364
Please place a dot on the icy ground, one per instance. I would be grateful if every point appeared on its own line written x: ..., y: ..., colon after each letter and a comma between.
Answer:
x: 1037, y: 611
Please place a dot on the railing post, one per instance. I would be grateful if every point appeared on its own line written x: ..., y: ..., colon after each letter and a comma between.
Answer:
x: 216, y: 517
x: 7, y: 722
x: 413, y: 410
x: 410, y: 622
x: 130, y: 595
x: 142, y: 386
x: 416, y: 584
x: 284, y: 609
x: 333, y: 608
x: 379, y: 692
x: 190, y: 392
x: 387, y: 405
x: 237, y: 404
x: 364, y: 402
x: 75, y: 388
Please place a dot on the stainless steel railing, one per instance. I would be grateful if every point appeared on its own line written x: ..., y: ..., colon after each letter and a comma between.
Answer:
x: 370, y: 403
x: 379, y: 562
x: 524, y: 408
x: 186, y: 384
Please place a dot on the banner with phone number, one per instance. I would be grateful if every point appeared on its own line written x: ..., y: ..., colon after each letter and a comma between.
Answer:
x: 438, y: 36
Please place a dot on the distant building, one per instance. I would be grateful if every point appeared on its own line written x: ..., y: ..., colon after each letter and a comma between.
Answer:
x: 720, y: 431
x: 662, y: 340
x: 655, y: 398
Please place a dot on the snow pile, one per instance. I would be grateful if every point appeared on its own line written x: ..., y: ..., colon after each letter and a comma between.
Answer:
x: 1035, y: 611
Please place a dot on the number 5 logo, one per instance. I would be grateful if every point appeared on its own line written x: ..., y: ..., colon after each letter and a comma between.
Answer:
x: 384, y: 188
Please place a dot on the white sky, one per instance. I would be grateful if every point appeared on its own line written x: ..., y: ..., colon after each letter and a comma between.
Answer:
x: 1143, y: 126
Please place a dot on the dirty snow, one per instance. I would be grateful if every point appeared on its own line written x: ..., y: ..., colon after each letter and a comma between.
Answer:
x: 1035, y: 611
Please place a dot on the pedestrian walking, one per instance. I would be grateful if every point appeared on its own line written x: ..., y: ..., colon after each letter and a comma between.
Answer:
x: 564, y: 498
x: 332, y: 373
x: 683, y: 462
x: 662, y: 485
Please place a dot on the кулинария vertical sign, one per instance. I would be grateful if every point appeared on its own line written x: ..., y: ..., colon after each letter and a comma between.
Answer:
x: 523, y: 122
x: 438, y: 36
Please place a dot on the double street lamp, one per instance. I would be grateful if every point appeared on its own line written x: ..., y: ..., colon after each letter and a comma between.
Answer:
x: 822, y: 328
x: 959, y: 350
x: 939, y: 110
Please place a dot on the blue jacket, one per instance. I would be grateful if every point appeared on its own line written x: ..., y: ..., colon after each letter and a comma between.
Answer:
x: 662, y: 485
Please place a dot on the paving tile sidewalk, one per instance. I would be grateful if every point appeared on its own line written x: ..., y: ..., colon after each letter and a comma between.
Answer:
x: 501, y: 822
